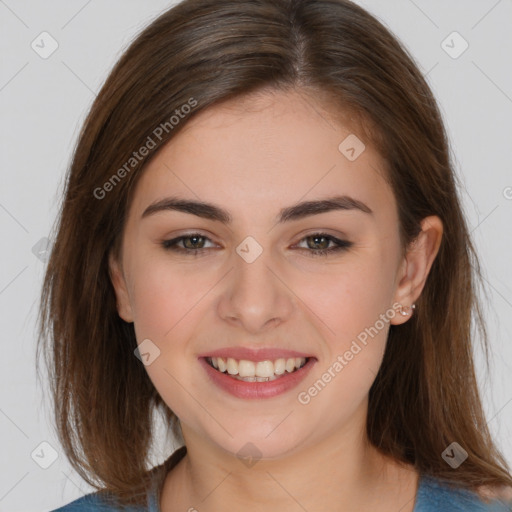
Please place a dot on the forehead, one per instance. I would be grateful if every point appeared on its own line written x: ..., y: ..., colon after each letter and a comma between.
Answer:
x: 262, y: 150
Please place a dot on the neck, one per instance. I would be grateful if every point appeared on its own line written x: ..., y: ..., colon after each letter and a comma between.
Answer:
x: 342, y: 472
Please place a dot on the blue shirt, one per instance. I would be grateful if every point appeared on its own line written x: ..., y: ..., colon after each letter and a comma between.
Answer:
x: 432, y: 496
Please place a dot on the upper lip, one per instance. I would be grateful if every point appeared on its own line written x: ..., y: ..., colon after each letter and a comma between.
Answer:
x: 250, y: 354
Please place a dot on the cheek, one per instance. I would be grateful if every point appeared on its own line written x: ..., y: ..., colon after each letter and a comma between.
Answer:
x: 167, y: 305
x: 353, y: 307
x: 166, y: 297
x: 346, y: 299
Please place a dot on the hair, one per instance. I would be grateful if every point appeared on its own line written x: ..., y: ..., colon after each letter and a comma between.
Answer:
x: 204, y: 52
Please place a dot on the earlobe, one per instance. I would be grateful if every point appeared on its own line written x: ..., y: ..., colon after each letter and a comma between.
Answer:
x: 118, y: 282
x: 417, y: 264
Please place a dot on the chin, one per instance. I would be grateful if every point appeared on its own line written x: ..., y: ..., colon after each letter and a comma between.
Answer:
x: 253, y: 442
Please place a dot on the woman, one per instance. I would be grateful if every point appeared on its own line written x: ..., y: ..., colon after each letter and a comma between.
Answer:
x: 262, y: 239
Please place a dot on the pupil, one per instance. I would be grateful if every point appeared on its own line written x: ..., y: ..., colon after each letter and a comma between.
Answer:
x: 315, y: 238
x: 194, y: 238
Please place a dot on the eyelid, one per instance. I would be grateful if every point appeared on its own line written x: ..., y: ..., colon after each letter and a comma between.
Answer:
x: 322, y: 231
x: 340, y: 244
x: 168, y: 243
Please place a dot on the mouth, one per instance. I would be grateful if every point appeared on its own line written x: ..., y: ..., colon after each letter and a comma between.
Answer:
x: 257, y: 378
x: 257, y: 371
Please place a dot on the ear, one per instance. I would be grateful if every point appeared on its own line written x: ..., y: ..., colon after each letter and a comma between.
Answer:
x: 416, y: 265
x: 119, y: 283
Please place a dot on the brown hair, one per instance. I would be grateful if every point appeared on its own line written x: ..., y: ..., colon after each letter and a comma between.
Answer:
x: 200, y: 53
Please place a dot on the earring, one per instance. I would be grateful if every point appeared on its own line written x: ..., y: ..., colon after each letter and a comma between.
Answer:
x: 405, y: 313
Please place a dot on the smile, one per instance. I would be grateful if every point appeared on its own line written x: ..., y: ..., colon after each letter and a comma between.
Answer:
x: 248, y: 379
x: 256, y: 371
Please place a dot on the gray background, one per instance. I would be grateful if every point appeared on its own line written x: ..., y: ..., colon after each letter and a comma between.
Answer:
x: 44, y: 101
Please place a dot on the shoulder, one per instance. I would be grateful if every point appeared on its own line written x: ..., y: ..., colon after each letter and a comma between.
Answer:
x: 500, y: 493
x: 97, y: 502
x: 435, y: 495
x: 103, y: 501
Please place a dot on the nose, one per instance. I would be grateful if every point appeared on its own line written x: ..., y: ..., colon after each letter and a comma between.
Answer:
x: 255, y: 296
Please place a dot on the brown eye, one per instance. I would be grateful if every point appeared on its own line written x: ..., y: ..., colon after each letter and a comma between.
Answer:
x: 195, y: 242
x: 192, y: 243
x: 318, y: 244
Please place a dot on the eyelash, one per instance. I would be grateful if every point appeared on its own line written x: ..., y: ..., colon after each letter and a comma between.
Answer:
x: 341, y: 245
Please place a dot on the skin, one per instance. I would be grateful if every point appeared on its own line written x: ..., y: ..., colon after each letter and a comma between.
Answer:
x: 253, y: 157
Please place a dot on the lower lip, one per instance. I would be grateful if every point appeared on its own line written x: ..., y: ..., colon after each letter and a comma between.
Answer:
x: 268, y: 389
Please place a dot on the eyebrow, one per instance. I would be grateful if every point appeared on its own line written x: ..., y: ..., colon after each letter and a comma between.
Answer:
x: 295, y: 212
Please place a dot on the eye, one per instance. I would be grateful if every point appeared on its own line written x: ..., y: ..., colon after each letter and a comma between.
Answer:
x: 317, y: 244
x: 193, y: 243
x: 320, y: 244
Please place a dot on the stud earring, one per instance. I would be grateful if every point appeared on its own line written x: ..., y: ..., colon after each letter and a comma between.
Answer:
x: 405, y: 313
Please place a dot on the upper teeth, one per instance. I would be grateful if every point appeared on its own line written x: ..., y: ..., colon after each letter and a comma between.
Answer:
x: 245, y: 368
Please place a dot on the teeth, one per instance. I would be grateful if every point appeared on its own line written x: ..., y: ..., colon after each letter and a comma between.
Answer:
x: 264, y: 369
x: 279, y: 366
x: 221, y: 364
x: 232, y: 366
x: 260, y: 371
x: 247, y: 369
x: 254, y: 379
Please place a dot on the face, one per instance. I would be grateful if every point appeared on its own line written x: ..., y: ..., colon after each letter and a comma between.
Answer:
x: 259, y: 278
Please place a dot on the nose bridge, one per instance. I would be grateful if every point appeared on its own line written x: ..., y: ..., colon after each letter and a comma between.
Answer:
x: 254, y: 296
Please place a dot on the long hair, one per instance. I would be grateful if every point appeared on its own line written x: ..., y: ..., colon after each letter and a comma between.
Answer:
x: 200, y: 53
